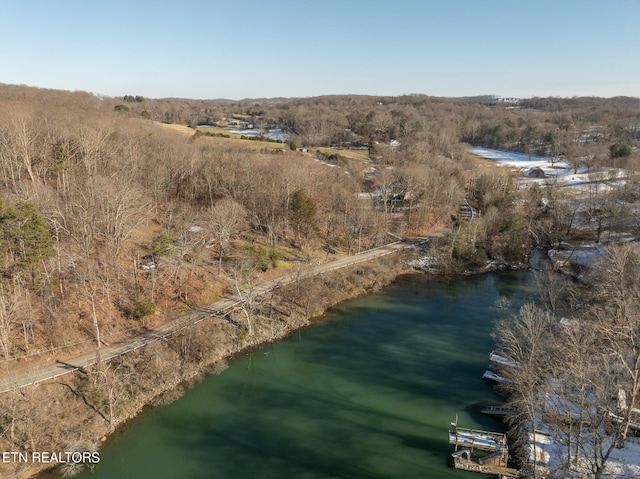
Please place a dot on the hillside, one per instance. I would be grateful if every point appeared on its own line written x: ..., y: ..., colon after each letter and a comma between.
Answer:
x: 143, y: 217
x: 120, y: 214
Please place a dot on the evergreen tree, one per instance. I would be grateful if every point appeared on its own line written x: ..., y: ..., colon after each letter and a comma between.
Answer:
x: 24, y: 234
x: 620, y: 150
x: 303, y: 210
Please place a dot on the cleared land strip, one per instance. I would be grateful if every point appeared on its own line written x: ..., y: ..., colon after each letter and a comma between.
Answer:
x: 218, y: 308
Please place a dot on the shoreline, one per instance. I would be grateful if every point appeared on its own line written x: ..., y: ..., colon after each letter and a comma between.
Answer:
x: 327, y: 291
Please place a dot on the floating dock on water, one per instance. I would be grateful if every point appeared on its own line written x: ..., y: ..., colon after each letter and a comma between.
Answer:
x: 498, y: 359
x: 498, y: 410
x: 491, y: 375
x: 480, y: 451
x: 499, y: 363
x: 462, y: 437
x: 487, y: 452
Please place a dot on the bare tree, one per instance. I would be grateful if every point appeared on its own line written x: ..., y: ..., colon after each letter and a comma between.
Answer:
x: 554, y: 289
x: 596, y: 378
x: 91, y: 140
x: 87, y: 276
x: 109, y: 383
x: 244, y: 283
x: 226, y: 220
x: 11, y: 300
x: 120, y: 208
x: 524, y: 340
x: 104, y: 208
x: 602, y: 205
x: 387, y: 183
x: 17, y: 146
x: 617, y: 320
x: 567, y: 395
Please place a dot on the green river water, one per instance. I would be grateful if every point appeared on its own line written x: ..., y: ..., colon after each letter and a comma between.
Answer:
x: 369, y: 391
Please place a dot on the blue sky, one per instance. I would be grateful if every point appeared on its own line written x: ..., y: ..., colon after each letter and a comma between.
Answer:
x: 249, y: 49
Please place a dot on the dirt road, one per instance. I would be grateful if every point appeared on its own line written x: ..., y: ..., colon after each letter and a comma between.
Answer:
x: 215, y: 309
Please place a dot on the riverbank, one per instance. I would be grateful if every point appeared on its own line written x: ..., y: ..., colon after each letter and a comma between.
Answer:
x: 85, y: 408
x: 367, y: 391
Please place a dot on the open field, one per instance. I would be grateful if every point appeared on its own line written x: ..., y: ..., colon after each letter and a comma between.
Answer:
x: 360, y: 155
x: 233, y: 140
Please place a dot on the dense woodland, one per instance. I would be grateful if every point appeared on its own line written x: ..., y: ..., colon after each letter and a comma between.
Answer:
x: 112, y: 221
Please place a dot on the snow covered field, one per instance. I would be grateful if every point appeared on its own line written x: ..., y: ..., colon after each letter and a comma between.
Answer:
x: 276, y: 134
x: 508, y: 158
x: 561, y: 173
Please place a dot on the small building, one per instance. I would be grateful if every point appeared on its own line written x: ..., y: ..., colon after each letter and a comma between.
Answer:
x: 536, y: 172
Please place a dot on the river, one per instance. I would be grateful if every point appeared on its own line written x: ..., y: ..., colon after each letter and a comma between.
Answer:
x: 366, y: 392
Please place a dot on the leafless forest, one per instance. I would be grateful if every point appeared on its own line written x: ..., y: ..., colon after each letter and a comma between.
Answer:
x: 117, y: 214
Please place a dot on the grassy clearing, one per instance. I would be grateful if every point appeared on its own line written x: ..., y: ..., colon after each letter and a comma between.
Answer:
x: 233, y: 140
x: 484, y: 165
x: 249, y: 144
x: 359, y: 155
x: 184, y: 129
x: 217, y: 130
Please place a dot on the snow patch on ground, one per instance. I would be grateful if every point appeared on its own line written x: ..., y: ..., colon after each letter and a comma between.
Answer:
x: 623, y: 463
x: 275, y: 134
x: 558, y: 172
x: 581, y: 255
x: 508, y: 158
x: 326, y: 163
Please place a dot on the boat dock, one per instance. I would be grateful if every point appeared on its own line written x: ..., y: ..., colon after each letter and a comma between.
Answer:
x: 487, y: 452
x: 462, y: 460
x: 462, y: 437
x: 490, y: 375
x: 498, y: 410
x: 493, y: 456
x: 498, y: 359
x: 498, y: 364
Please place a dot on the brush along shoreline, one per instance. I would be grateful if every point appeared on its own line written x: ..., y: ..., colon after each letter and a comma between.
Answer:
x: 83, y: 409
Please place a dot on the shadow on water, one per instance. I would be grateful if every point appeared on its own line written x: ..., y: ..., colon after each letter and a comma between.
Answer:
x: 256, y: 447
x: 368, y: 393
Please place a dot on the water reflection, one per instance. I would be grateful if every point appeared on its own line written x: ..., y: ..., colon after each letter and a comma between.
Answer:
x: 368, y: 392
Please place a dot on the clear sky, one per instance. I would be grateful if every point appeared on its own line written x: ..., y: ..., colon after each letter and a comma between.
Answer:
x: 238, y: 49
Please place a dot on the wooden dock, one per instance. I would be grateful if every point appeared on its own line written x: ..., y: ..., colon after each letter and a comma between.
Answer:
x: 498, y: 410
x: 502, y: 360
x: 491, y: 375
x: 463, y: 460
x: 485, y: 452
x: 461, y: 437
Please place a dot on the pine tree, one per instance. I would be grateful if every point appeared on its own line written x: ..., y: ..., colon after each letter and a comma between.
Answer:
x: 24, y: 234
x: 303, y: 210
